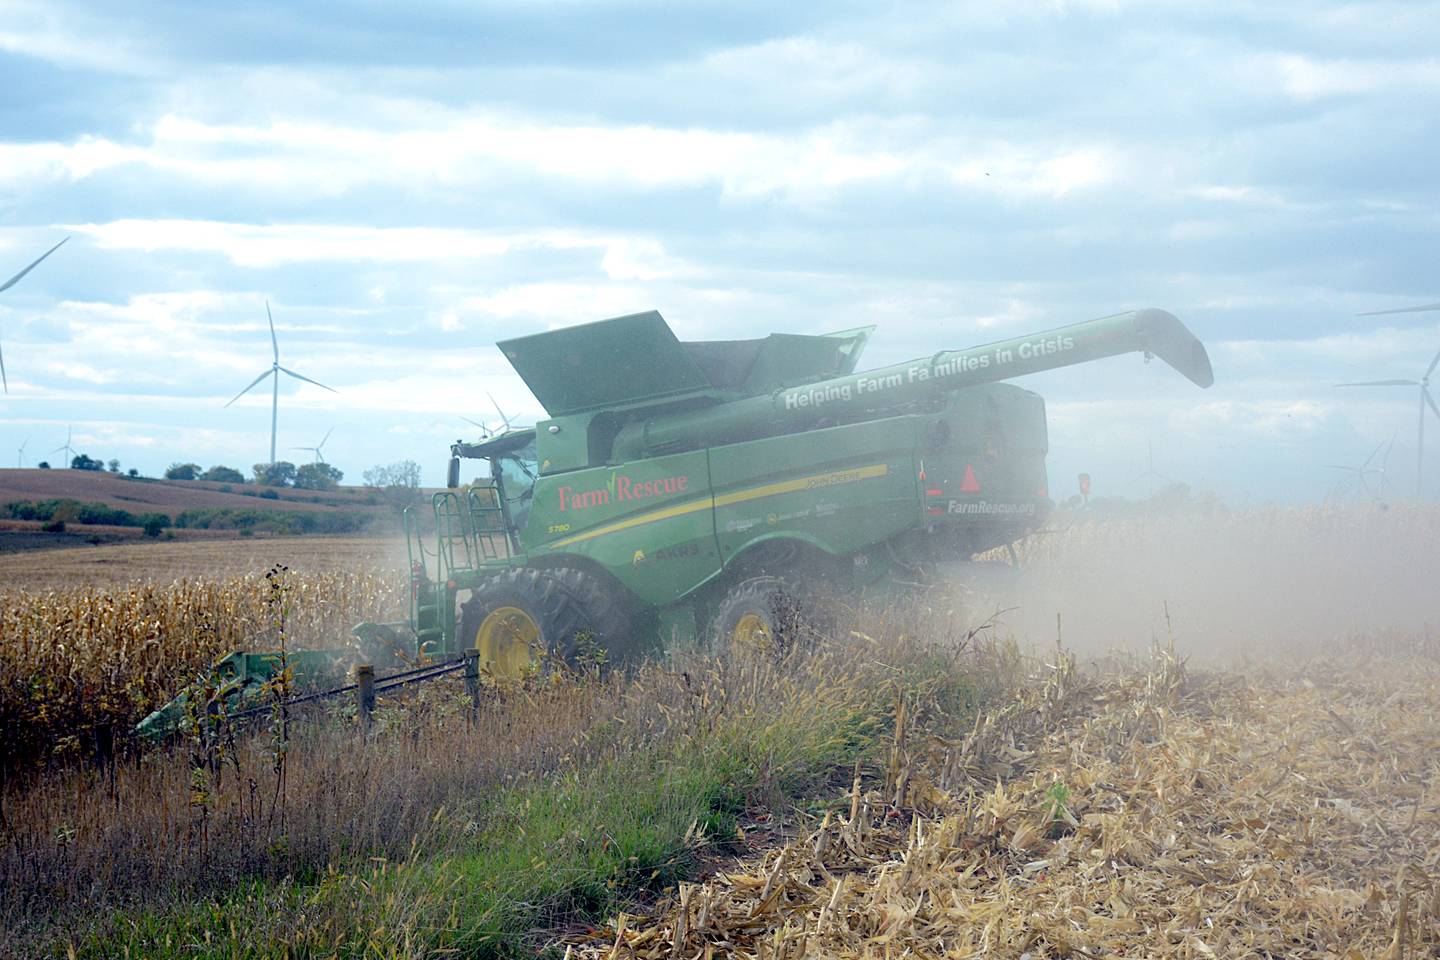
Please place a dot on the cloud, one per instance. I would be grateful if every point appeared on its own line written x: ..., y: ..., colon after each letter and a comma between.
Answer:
x: 1307, y: 78
x: 480, y: 148
x: 269, y: 245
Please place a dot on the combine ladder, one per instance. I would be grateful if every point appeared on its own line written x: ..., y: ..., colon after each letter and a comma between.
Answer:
x: 469, y: 530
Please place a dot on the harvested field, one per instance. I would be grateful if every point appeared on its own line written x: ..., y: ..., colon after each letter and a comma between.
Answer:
x: 160, y: 561
x: 1291, y: 813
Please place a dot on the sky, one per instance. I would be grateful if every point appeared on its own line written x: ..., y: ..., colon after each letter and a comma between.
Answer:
x: 407, y: 184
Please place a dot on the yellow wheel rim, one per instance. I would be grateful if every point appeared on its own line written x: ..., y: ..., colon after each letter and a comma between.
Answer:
x: 752, y: 635
x: 509, y: 642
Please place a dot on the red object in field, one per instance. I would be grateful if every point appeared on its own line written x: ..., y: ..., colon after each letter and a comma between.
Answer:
x: 1084, y: 484
x: 969, y: 484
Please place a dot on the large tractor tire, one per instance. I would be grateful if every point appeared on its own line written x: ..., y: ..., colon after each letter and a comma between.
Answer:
x: 524, y: 620
x: 762, y: 617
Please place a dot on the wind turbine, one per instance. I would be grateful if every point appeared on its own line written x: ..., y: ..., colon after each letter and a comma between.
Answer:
x: 20, y: 460
x: 275, y: 371
x: 1358, y: 478
x: 318, y: 448
x: 1150, y: 473
x: 69, y: 453
x: 4, y: 381
x: 1423, y: 383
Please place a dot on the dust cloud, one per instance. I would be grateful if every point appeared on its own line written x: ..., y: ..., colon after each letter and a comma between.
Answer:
x: 1235, y: 586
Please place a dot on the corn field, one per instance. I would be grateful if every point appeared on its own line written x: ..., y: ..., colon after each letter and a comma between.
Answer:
x: 79, y: 666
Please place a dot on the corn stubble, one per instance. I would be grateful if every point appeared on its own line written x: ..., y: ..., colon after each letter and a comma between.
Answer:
x: 1150, y: 814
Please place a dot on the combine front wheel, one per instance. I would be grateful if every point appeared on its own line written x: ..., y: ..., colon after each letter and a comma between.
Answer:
x: 519, y: 618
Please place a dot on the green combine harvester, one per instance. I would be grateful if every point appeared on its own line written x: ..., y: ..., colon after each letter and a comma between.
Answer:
x: 711, y: 490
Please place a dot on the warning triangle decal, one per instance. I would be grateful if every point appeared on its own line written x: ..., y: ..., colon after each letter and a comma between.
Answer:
x: 969, y: 484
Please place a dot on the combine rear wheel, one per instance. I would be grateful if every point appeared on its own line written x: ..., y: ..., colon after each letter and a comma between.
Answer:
x: 520, y: 619
x: 761, y: 617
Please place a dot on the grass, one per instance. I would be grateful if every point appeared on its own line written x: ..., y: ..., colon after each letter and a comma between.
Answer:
x: 558, y: 802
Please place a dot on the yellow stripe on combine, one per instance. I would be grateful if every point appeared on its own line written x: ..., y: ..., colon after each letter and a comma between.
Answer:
x: 814, y: 482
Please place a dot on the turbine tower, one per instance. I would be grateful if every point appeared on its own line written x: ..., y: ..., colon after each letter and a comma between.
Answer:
x: 275, y: 371
x: 69, y: 452
x: 1424, y: 398
x: 4, y: 381
x: 318, y: 448
x: 20, y: 460
x: 1150, y: 473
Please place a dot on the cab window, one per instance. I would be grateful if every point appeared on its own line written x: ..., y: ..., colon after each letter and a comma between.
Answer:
x: 516, y: 471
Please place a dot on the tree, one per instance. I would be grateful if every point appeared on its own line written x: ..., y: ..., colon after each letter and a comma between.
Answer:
x: 280, y: 474
x: 398, y: 483
x: 182, y: 471
x: 82, y: 462
x: 406, y: 473
x: 317, y: 476
x: 114, y: 466
x: 221, y: 474
x: 43, y: 465
x: 132, y: 472
x: 154, y: 524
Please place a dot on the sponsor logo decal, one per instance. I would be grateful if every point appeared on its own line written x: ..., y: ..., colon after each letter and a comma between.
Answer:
x: 984, y: 508
x: 621, y: 489
x: 680, y: 551
x: 868, y: 385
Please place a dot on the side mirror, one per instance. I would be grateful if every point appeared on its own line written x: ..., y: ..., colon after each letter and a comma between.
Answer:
x: 452, y: 476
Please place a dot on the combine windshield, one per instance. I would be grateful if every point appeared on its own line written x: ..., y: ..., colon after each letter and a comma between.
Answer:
x: 515, y: 472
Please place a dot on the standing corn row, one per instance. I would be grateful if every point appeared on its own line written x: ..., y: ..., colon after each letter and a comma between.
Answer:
x: 79, y: 664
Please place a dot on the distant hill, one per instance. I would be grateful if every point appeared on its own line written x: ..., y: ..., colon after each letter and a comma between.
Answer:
x: 171, y: 497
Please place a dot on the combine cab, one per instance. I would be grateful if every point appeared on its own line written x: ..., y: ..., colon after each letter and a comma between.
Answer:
x: 713, y: 489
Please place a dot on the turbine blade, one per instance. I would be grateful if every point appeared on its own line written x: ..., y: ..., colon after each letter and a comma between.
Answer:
x: 498, y: 410
x: 1372, y: 454
x: 1382, y: 383
x: 252, y: 383
x: 306, y: 379
x: 274, y: 344
x: 1431, y: 368
x: 16, y: 279
x: 1420, y: 309
x: 327, y: 437
x: 4, y: 380
x: 476, y: 423
x: 1430, y: 400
